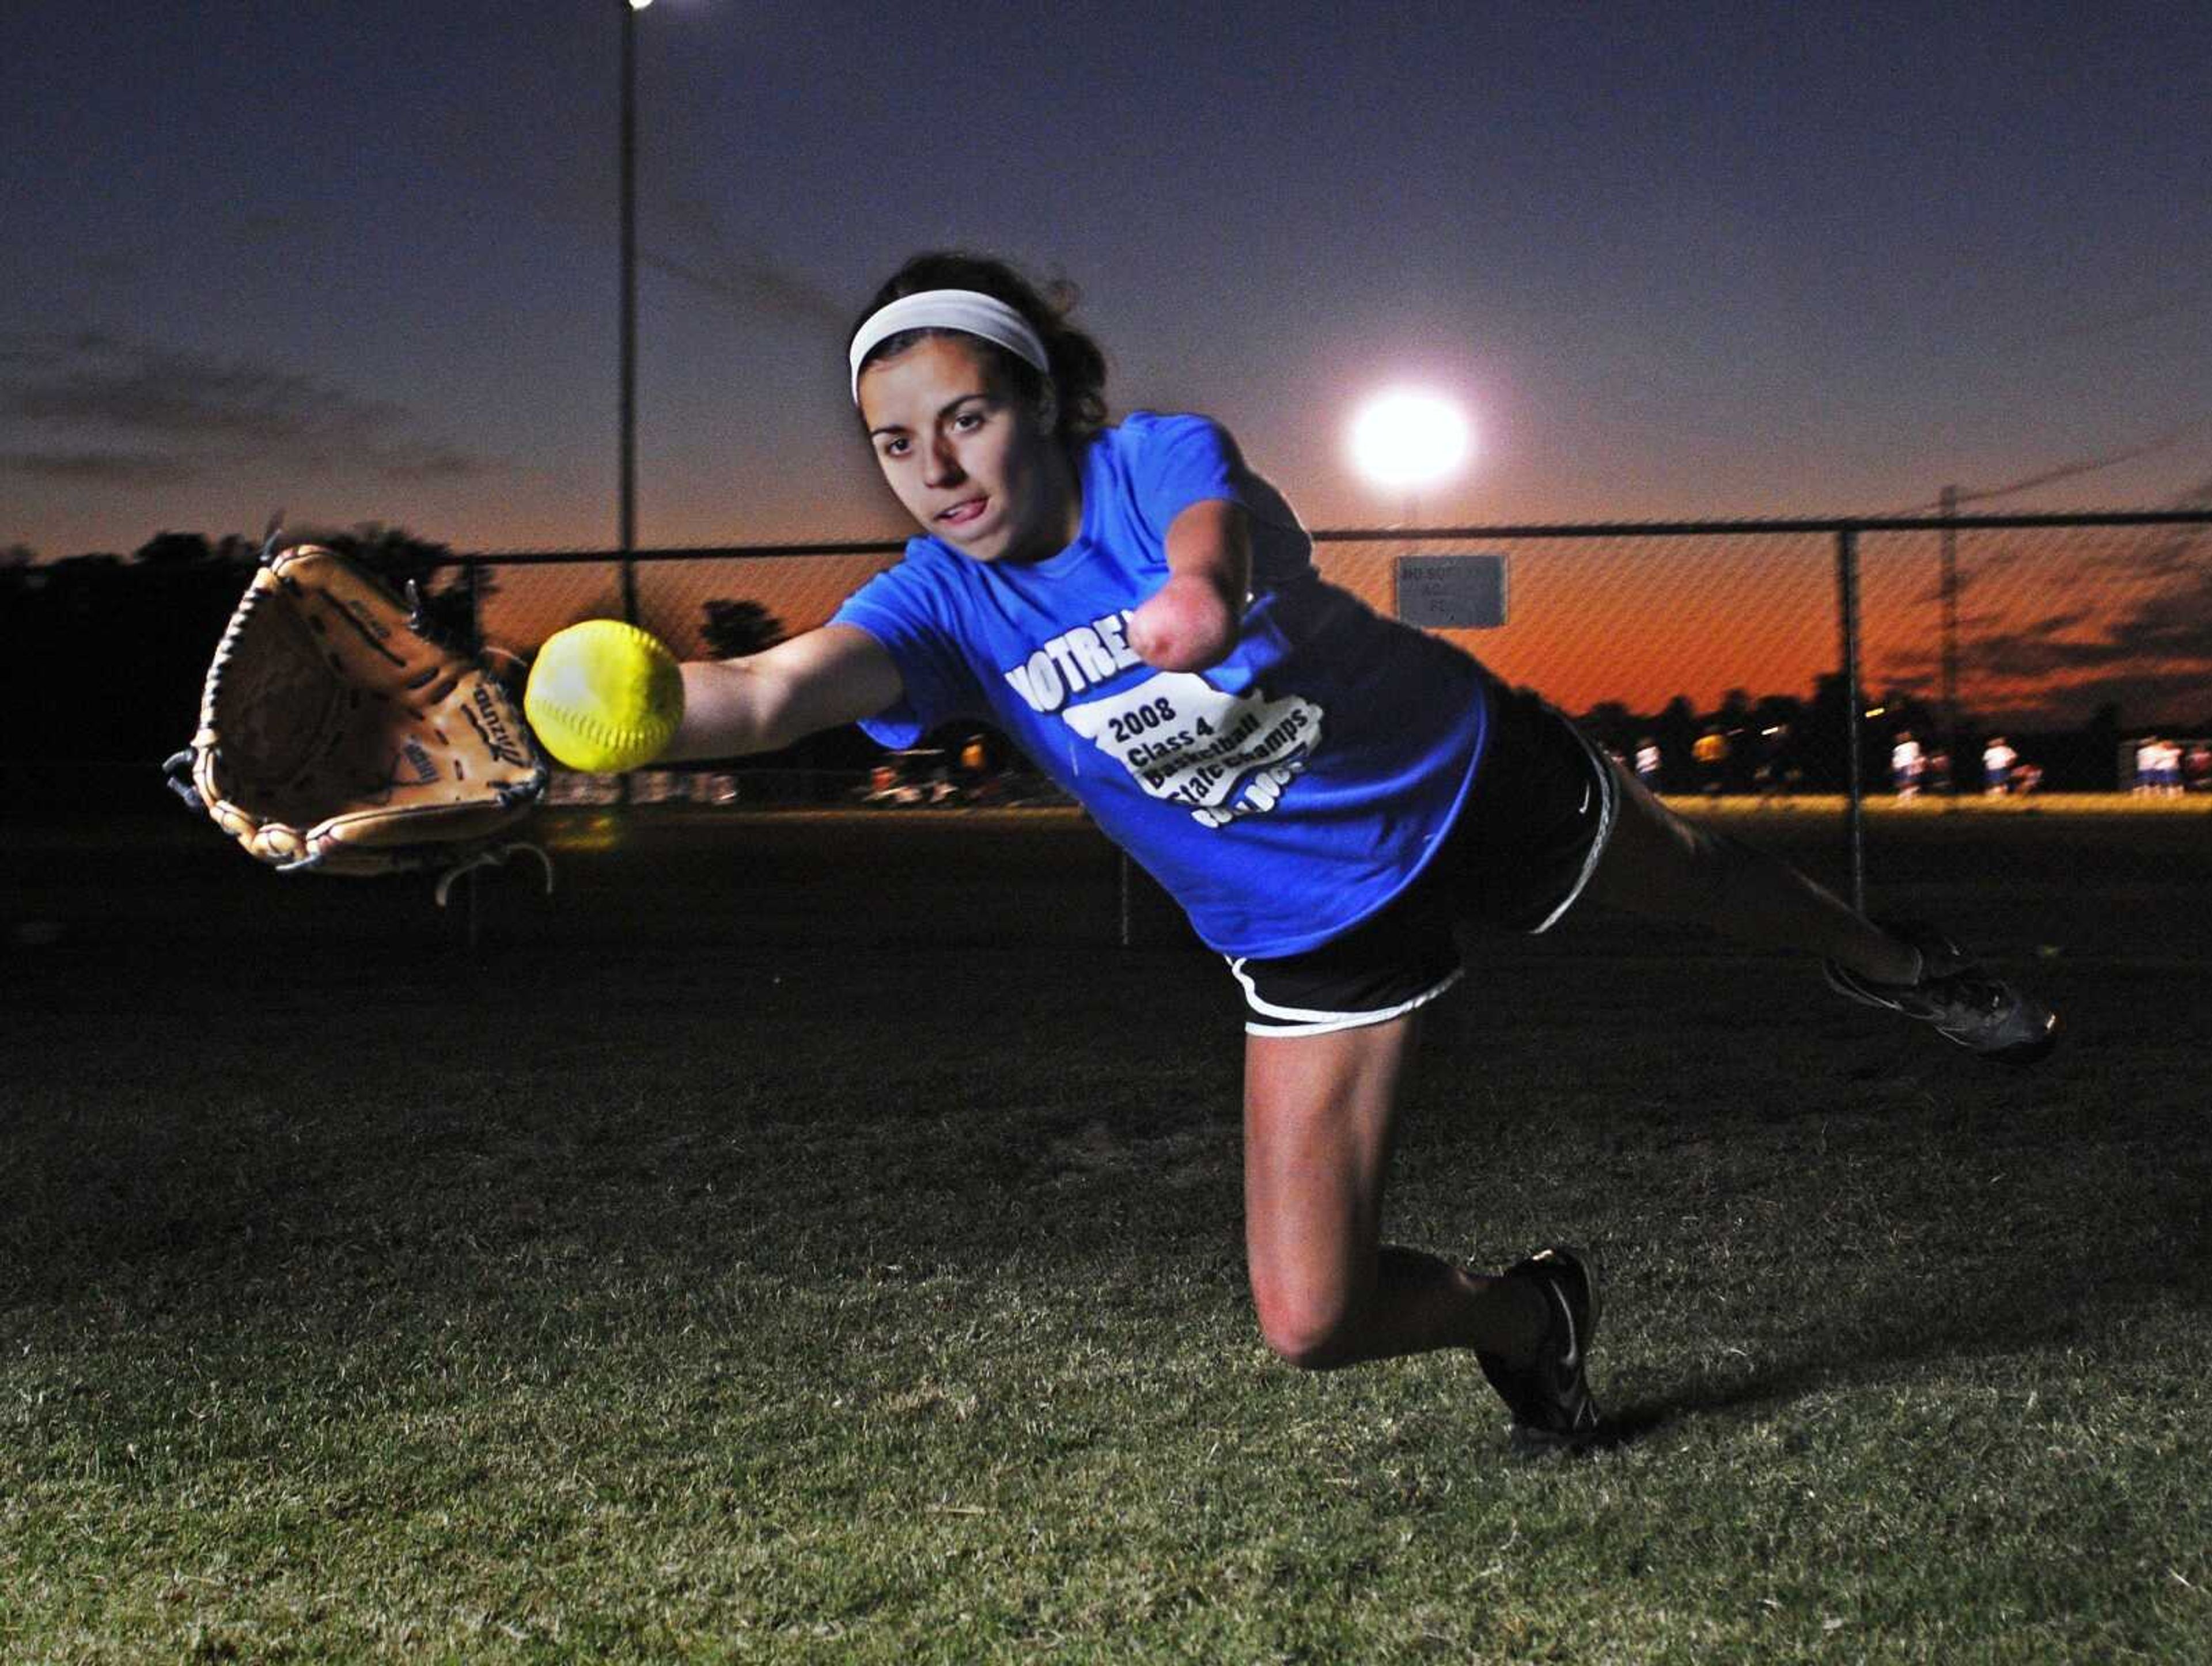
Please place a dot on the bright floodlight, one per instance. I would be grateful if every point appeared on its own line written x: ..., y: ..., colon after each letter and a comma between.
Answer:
x: 639, y: 5
x: 1406, y: 438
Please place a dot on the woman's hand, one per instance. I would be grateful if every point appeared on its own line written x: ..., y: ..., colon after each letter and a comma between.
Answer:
x: 1186, y: 625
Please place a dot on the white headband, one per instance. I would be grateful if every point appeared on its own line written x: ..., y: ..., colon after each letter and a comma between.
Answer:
x: 963, y: 310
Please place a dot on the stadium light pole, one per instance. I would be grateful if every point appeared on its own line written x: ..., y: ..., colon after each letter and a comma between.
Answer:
x: 1404, y: 439
x: 627, y: 512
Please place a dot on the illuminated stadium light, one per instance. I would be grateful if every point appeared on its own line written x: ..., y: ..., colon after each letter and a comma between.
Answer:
x: 1406, y: 438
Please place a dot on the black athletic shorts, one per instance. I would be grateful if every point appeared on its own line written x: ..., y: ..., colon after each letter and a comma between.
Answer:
x: 1527, y: 836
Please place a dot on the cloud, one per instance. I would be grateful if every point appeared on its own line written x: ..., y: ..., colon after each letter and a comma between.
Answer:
x: 100, y: 468
x: 2067, y: 619
x: 754, y: 284
x: 130, y: 411
x: 433, y: 462
x: 2173, y: 299
x: 2175, y: 623
x: 679, y: 235
x: 2137, y: 630
x: 2175, y: 692
x: 684, y: 238
x: 2160, y: 553
x: 2173, y: 633
x: 96, y: 380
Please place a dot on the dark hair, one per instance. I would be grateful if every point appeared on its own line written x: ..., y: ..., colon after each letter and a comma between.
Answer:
x: 1079, y: 367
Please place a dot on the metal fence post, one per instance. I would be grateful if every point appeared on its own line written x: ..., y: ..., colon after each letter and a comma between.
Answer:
x: 1948, y: 586
x: 1847, y: 596
x: 470, y: 571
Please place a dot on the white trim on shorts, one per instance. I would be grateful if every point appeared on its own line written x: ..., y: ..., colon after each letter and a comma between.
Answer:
x: 1609, y: 810
x: 1312, y: 1021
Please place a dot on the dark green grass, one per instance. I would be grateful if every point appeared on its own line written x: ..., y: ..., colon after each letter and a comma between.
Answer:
x: 820, y: 1243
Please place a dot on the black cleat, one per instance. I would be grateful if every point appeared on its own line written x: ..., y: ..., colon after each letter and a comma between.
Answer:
x: 1965, y: 1003
x: 1549, y: 1396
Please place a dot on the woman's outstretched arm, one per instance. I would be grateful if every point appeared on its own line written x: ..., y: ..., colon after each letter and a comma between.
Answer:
x: 836, y: 674
x: 1191, y: 622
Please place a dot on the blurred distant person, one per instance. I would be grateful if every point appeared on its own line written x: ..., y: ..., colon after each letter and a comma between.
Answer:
x: 1648, y: 763
x: 1327, y: 791
x: 1905, y: 766
x: 1773, y: 775
x: 979, y: 783
x: 1997, y: 760
x: 2196, y: 767
x: 1710, y: 754
x: 2159, y: 768
x: 2026, y: 778
x: 2169, y: 768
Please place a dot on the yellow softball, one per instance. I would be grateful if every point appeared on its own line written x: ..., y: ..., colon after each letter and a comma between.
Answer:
x: 605, y: 697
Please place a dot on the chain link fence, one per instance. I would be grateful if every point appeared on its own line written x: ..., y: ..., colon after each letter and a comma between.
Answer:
x: 2071, y: 637
x: 2015, y: 662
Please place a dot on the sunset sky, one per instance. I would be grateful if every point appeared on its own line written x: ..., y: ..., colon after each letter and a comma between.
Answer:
x: 359, y: 260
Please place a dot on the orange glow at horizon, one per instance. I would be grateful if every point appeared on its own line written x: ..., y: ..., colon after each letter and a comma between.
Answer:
x: 2047, y: 616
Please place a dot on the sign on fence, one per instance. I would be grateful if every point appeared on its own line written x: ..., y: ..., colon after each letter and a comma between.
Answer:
x: 1458, y: 592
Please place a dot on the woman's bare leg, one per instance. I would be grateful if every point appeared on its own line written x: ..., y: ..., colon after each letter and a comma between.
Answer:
x: 1319, y: 1118
x: 1657, y: 864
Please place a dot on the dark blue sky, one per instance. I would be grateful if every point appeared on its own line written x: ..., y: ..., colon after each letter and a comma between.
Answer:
x: 360, y: 259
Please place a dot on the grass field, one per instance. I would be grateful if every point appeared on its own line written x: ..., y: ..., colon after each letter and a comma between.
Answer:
x: 814, y: 1239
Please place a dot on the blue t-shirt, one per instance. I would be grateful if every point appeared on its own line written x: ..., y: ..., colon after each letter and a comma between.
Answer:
x: 1280, y: 797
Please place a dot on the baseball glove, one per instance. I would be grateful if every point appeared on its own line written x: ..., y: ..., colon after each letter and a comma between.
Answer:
x: 338, y: 735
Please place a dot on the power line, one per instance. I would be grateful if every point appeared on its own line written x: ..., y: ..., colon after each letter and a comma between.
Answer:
x: 1955, y: 495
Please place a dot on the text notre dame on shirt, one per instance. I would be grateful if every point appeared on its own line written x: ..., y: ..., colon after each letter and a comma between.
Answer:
x: 1070, y: 662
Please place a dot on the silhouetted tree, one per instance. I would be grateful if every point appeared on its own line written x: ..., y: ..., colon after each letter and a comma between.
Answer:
x: 734, y: 629
x: 20, y: 579
x: 1734, y: 720
x: 1777, y: 726
x: 399, y: 558
x: 103, y: 659
x: 2102, y: 747
x: 1676, y: 731
x: 174, y: 549
x: 1825, y: 747
x: 392, y: 553
x: 1614, y: 725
